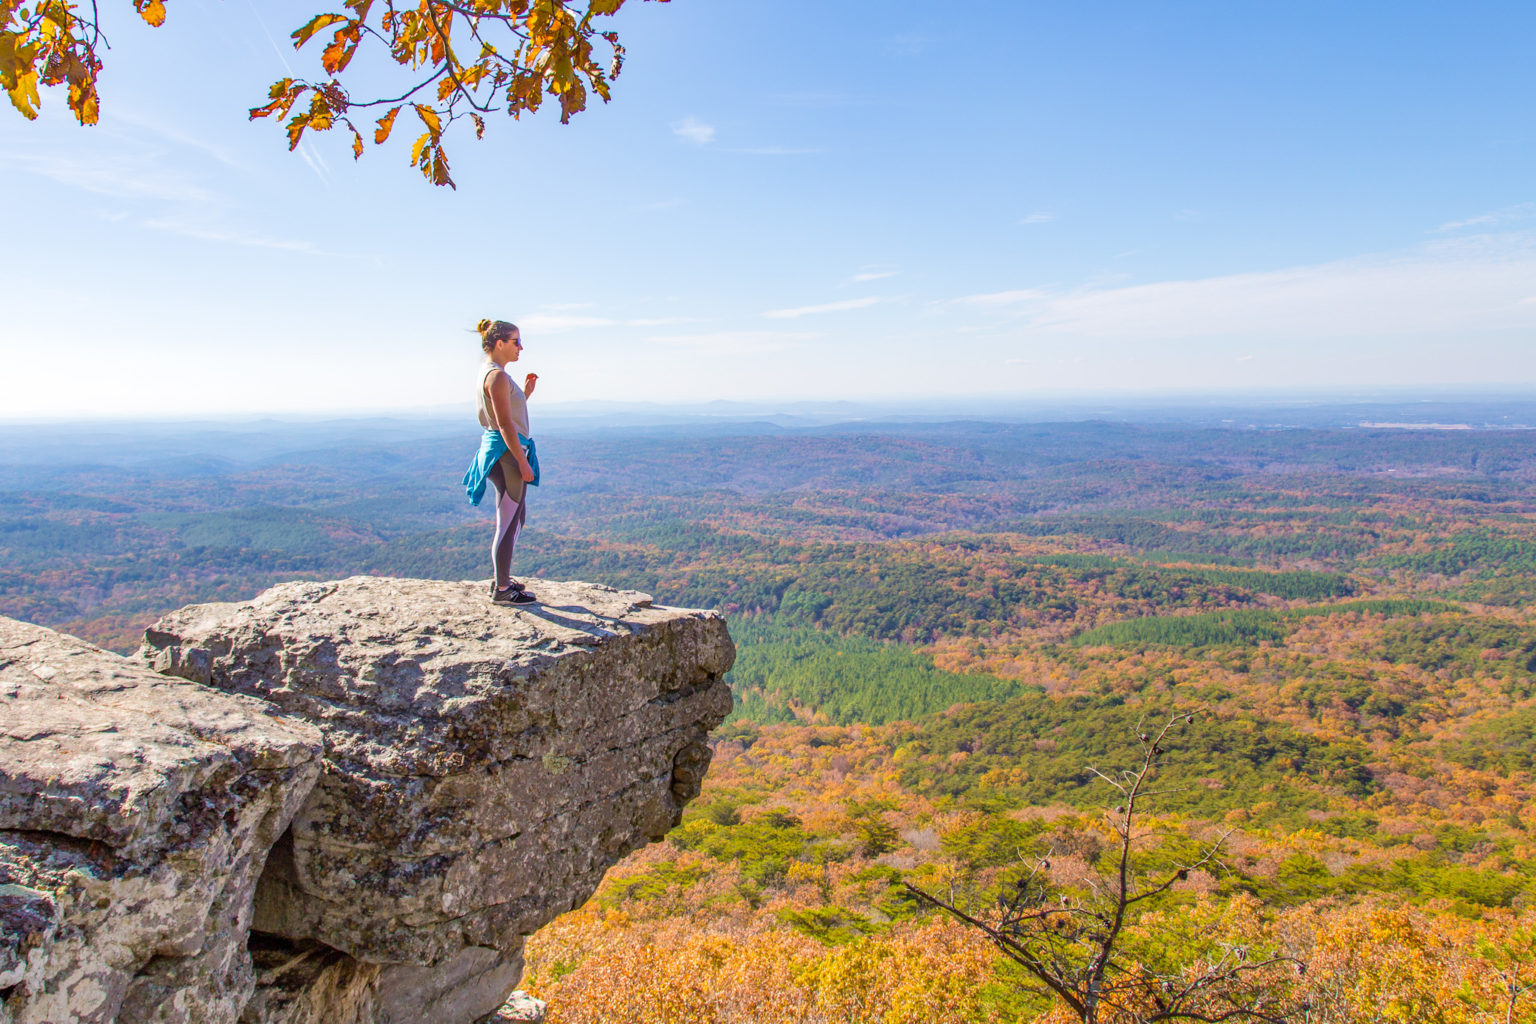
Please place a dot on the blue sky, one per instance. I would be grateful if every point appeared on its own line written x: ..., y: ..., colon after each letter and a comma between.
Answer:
x: 803, y: 199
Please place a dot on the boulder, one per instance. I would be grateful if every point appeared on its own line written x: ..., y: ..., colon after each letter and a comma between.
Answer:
x: 520, y: 1008
x: 484, y: 765
x: 136, y: 815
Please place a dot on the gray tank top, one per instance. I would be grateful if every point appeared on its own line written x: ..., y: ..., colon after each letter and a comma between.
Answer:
x: 519, y: 401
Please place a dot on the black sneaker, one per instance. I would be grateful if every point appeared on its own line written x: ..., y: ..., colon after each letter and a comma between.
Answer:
x: 515, y: 594
x: 514, y: 585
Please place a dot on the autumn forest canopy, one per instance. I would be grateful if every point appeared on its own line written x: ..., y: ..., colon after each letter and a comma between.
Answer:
x: 944, y: 630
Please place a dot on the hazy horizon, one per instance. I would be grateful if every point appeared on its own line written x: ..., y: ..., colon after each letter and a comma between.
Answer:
x: 1491, y: 408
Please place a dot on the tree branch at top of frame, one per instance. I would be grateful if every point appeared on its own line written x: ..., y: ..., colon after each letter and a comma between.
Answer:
x: 517, y: 54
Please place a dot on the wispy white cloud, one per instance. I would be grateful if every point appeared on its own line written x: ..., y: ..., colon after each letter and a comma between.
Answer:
x: 872, y: 275
x: 315, y: 161
x: 556, y: 319
x: 1455, y: 225
x: 736, y: 342
x: 812, y: 98
x: 148, y: 185
x: 777, y: 151
x: 1451, y: 289
x: 825, y: 307
x: 171, y: 133
x: 282, y: 56
x: 695, y: 131
x: 663, y: 321
x: 124, y: 175
x: 1519, y: 211
x: 1038, y: 217
x: 1010, y: 298
x: 905, y: 44
x: 554, y: 322
x: 229, y: 236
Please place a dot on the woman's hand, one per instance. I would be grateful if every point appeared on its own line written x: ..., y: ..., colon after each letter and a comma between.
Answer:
x: 525, y: 470
x: 528, y: 383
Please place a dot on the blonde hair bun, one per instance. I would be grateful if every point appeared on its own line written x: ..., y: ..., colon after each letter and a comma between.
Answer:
x: 494, y: 332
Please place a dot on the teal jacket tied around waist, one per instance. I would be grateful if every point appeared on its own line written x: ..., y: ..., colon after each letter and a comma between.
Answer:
x: 492, y: 447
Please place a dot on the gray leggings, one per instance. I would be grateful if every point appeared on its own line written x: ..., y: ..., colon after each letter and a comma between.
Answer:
x: 511, y: 513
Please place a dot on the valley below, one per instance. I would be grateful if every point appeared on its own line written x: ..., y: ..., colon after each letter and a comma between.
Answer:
x: 948, y: 633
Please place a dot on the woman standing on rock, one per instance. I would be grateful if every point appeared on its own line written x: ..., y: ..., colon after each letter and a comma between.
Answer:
x: 507, y: 459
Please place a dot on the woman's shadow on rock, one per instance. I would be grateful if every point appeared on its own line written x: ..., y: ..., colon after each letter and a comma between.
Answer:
x: 552, y: 613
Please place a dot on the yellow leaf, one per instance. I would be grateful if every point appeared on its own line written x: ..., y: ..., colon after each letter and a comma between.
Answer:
x: 284, y: 93
x: 24, y: 96
x: 386, y: 125
x: 560, y: 76
x: 10, y: 61
x: 85, y: 103
x: 153, y: 12
x: 429, y: 118
x: 420, y: 145
x: 302, y: 34
x: 357, y: 145
x: 296, y: 130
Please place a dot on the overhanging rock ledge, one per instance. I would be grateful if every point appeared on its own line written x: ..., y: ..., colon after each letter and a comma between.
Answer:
x: 483, y: 765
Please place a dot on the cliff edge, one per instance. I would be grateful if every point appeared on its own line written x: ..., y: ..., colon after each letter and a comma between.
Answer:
x: 366, y: 792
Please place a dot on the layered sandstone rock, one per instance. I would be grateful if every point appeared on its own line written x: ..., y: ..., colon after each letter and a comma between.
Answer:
x: 483, y: 766
x: 136, y: 814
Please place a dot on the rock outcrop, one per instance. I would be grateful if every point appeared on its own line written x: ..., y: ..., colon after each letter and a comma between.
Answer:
x: 482, y: 767
x: 136, y: 814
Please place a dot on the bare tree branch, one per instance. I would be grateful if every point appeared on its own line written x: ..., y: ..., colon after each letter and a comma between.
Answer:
x: 1076, y: 948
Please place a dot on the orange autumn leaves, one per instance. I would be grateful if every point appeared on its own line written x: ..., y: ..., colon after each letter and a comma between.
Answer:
x: 152, y: 11
x: 697, y: 930
x: 464, y: 59
x: 1365, y: 964
x: 599, y: 970
x: 50, y: 44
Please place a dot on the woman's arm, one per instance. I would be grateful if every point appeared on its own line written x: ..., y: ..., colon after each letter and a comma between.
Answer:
x: 501, y: 404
